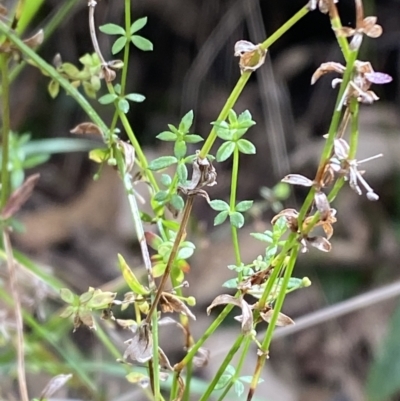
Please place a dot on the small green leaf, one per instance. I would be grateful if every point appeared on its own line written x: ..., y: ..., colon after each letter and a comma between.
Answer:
x: 192, y: 138
x: 232, y: 117
x: 99, y: 155
x: 112, y: 29
x: 220, y: 218
x: 161, y: 196
x: 167, y: 136
x: 162, y: 162
x: 222, y: 382
x: 173, y: 129
x: 265, y: 237
x: 223, y: 130
x: 182, y: 173
x: 86, y: 296
x: 130, y: 278
x: 180, y: 149
x: 67, y: 295
x: 71, y: 70
x: 186, y: 122
x: 101, y: 299
x: 53, y: 88
x: 35, y: 160
x: 231, y: 283
x: 219, y: 205
x: 89, y: 90
x: 236, y: 219
x: 119, y: 44
x: 142, y: 43
x: 245, y: 118
x: 68, y: 311
x: 166, y: 180
x: 246, y: 147
x: 238, y: 387
x: 135, y: 97
x: 177, y: 202
x: 185, y: 253
x: 95, y: 82
x: 123, y: 105
x: 158, y: 269
x: 225, y: 151
x: 138, y: 24
x: 108, y: 98
x: 117, y: 88
x: 244, y: 206
x: 153, y: 240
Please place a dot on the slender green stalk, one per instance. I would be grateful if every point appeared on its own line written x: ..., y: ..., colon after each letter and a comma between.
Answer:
x: 237, y: 90
x: 5, y: 113
x: 61, y: 15
x: 235, y: 347
x: 271, y: 326
x: 127, y: 46
x: 232, y: 204
x: 52, y: 72
x: 333, y: 128
x: 210, y: 330
x: 246, y: 346
x: 233, y: 97
x: 284, y: 28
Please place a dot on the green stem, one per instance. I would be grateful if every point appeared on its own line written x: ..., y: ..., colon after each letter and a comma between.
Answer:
x: 271, y: 326
x: 333, y: 128
x: 237, y: 90
x: 5, y: 100
x: 246, y: 346
x: 284, y: 28
x: 52, y: 72
x: 233, y: 97
x: 210, y: 330
x: 127, y: 46
x: 235, y: 347
x: 60, y: 16
x: 232, y: 205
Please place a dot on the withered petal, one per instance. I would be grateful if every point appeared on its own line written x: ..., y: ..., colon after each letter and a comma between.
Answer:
x: 87, y: 129
x: 345, y: 31
x: 324, y: 68
x: 282, y: 321
x: 322, y: 204
x: 320, y: 243
x: 224, y: 299
x: 342, y: 148
x: 298, y: 179
x: 374, y: 32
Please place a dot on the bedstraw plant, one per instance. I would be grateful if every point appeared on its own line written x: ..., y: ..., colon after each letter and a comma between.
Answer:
x: 174, y: 183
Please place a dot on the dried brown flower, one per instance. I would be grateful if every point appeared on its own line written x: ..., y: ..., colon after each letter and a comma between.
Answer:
x: 323, y: 5
x: 171, y: 303
x: 367, y: 26
x: 247, y: 315
x: 204, y: 174
x: 364, y: 77
x: 348, y: 168
x: 251, y: 56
